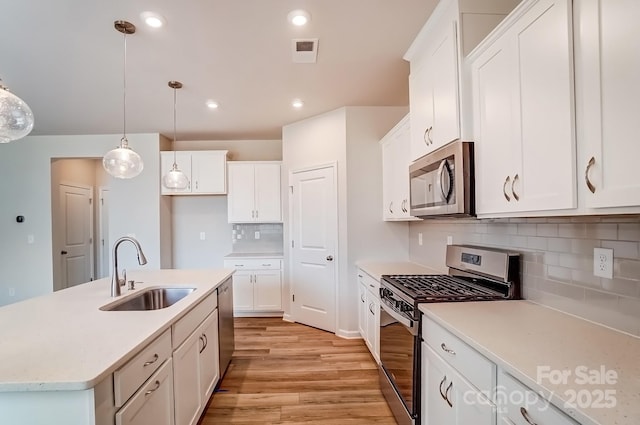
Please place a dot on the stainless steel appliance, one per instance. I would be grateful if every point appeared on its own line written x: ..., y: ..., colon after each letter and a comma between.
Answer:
x: 442, y: 182
x: 225, y: 324
x: 475, y: 274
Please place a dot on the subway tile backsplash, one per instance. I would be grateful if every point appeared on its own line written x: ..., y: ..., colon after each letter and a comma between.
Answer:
x: 257, y: 238
x: 557, y: 260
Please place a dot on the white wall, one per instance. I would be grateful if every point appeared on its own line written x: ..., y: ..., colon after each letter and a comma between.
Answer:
x: 25, y: 189
x: 348, y: 136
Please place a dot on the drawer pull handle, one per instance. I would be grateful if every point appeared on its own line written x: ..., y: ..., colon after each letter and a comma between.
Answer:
x: 155, y: 359
x: 504, y: 188
x: 266, y: 265
x: 371, y: 309
x: 362, y: 297
x: 444, y: 397
x: 446, y: 394
x: 447, y: 349
x: 513, y: 190
x: 153, y: 390
x: 590, y: 185
x: 526, y: 417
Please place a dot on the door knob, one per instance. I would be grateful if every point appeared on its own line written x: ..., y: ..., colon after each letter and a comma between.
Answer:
x: 63, y: 252
x: 329, y: 258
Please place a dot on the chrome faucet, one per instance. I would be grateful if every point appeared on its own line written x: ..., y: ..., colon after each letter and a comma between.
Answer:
x: 116, y: 282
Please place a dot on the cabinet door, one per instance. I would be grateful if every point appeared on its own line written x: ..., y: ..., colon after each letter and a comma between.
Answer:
x: 267, y: 290
x: 444, y: 71
x: 421, y: 110
x: 186, y: 377
x: 153, y: 403
x: 183, y: 161
x: 496, y: 139
x: 267, y: 193
x: 373, y: 324
x: 209, y: 172
x: 607, y: 68
x: 241, y: 197
x: 547, y: 179
x: 209, y: 360
x: 388, y: 179
x: 362, y: 308
x: 401, y: 154
x: 243, y: 290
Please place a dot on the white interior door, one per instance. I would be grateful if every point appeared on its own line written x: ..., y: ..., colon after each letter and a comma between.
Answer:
x: 76, y: 229
x: 314, y: 232
x: 103, y: 236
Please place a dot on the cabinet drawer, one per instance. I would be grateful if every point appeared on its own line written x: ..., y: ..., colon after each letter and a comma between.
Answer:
x: 479, y: 370
x: 520, y: 402
x: 153, y: 403
x: 183, y: 327
x: 254, y: 264
x: 129, y: 377
x: 371, y: 283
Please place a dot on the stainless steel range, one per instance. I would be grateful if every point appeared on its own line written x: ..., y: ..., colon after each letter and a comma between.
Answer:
x: 475, y: 274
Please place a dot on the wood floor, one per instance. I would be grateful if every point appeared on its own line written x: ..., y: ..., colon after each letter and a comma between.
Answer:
x: 287, y: 373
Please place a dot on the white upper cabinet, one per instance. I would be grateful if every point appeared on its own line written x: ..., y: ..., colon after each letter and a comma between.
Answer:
x: 523, y: 112
x: 453, y: 29
x: 206, y: 171
x: 254, y: 192
x: 395, y: 146
x: 607, y: 46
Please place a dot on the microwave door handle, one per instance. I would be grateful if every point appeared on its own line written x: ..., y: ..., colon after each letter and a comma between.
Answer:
x: 446, y: 194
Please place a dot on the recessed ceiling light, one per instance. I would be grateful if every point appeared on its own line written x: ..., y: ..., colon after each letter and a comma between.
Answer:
x: 297, y: 103
x: 299, y: 17
x: 153, y: 20
x: 212, y: 104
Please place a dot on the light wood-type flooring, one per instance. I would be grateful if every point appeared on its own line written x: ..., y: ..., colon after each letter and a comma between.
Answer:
x: 287, y: 373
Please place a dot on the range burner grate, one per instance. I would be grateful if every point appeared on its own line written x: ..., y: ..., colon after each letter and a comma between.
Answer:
x: 427, y: 288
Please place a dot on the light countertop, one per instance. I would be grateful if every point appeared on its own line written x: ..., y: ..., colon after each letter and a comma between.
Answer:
x: 528, y: 340
x: 376, y: 269
x: 63, y: 341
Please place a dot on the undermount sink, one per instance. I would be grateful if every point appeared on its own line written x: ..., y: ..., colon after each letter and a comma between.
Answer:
x: 150, y: 299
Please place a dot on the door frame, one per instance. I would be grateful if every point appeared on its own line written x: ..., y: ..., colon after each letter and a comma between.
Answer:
x: 336, y: 272
x: 102, y: 249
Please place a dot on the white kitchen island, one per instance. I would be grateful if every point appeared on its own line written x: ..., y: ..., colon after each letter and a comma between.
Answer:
x: 60, y: 351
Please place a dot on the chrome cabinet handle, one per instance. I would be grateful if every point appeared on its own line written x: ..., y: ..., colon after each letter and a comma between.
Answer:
x: 446, y: 394
x: 590, y: 185
x: 203, y: 344
x: 153, y: 390
x: 424, y: 136
x: 504, y: 189
x: 447, y: 349
x: 362, y: 297
x: 513, y: 190
x: 371, y: 309
x: 257, y: 211
x: 429, y: 135
x: 266, y: 265
x: 155, y: 359
x: 526, y: 417
x: 391, y: 207
x: 443, y: 395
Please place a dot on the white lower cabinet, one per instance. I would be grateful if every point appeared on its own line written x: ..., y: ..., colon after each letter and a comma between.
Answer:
x: 195, y: 368
x: 520, y: 405
x: 458, y: 383
x: 369, y: 312
x: 152, y: 403
x: 257, y: 285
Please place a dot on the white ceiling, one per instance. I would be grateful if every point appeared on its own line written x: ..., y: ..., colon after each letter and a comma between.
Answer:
x: 65, y: 59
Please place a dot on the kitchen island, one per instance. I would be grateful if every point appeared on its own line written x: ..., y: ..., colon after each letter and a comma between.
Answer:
x: 60, y: 352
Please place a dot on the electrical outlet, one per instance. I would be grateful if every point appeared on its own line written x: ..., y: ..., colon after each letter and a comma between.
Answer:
x: 257, y: 235
x: 203, y: 236
x: 449, y: 240
x: 420, y: 239
x: 12, y: 292
x: 603, y: 262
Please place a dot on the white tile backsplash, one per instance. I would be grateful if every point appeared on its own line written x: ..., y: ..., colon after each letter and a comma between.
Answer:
x: 557, y: 260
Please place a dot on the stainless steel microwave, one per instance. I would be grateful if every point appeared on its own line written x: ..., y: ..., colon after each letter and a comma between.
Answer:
x: 442, y: 182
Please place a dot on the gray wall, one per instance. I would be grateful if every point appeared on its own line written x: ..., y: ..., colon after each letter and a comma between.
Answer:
x: 557, y: 263
x: 25, y: 189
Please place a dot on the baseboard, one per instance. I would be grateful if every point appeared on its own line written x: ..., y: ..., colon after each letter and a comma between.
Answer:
x: 288, y: 318
x: 348, y: 334
x: 257, y: 314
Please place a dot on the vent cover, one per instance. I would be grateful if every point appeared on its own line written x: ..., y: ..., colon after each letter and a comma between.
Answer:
x: 305, y: 50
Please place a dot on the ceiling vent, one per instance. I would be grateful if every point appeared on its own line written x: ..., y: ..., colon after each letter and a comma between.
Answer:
x: 305, y: 50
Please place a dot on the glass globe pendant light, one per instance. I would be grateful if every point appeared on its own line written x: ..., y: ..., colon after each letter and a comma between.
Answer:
x: 16, y: 118
x: 123, y: 162
x: 175, y: 179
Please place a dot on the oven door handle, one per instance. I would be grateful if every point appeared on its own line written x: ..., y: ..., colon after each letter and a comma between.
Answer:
x: 405, y: 321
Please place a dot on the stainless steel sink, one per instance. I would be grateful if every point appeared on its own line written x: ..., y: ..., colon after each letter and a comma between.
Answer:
x: 150, y: 299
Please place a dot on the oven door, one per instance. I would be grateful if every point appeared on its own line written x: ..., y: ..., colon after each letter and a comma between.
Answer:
x: 399, y: 359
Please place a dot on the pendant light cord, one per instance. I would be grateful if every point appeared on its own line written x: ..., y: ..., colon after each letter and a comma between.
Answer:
x: 125, y: 142
x: 175, y: 165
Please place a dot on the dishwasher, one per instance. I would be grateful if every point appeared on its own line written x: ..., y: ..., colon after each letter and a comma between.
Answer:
x: 225, y: 324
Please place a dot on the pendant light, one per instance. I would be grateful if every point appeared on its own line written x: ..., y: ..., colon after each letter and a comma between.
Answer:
x: 175, y: 179
x: 16, y: 118
x: 123, y: 162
